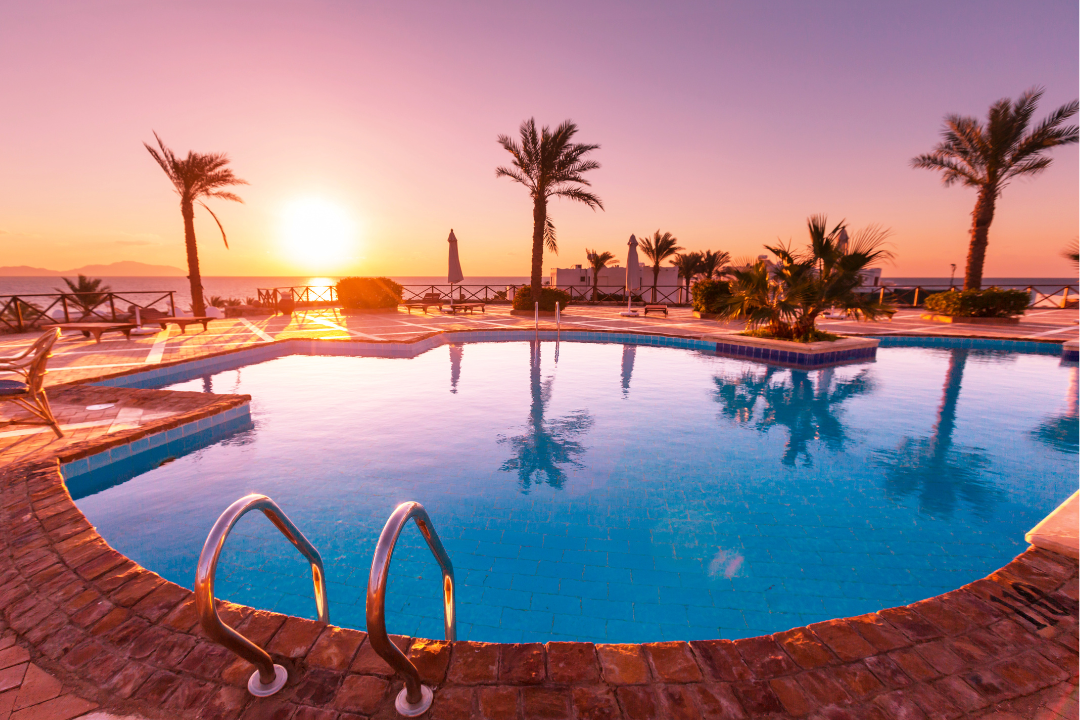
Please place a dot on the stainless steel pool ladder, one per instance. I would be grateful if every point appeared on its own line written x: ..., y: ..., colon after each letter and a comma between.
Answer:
x: 415, y: 698
x: 268, y: 678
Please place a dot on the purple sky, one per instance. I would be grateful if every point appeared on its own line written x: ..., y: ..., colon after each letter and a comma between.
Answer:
x: 726, y: 124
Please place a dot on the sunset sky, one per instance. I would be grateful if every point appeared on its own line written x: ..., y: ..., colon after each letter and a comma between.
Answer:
x: 367, y: 130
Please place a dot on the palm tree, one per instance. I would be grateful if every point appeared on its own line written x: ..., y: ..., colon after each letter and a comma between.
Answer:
x: 89, y: 292
x: 1072, y: 253
x: 659, y: 248
x: 688, y: 264
x: 987, y: 157
x: 549, y: 165
x: 598, y: 261
x: 198, y: 176
x: 712, y: 263
x: 787, y: 296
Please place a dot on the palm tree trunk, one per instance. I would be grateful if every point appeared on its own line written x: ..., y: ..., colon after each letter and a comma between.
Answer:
x: 194, y: 277
x: 981, y: 218
x: 655, y: 279
x: 539, y: 223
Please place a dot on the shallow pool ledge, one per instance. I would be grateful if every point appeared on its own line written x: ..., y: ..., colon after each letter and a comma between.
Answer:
x: 1058, y: 530
x: 797, y: 354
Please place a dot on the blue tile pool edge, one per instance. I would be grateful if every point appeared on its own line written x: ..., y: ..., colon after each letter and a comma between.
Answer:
x: 169, y: 439
x: 182, y: 370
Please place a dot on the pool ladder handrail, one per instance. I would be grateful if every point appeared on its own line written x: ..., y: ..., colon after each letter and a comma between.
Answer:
x: 268, y: 678
x: 415, y: 698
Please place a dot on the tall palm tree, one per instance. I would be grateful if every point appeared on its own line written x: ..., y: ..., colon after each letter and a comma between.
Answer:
x: 659, y: 248
x: 689, y: 265
x: 198, y: 176
x: 597, y: 261
x: 987, y: 157
x: 549, y: 165
x: 713, y: 262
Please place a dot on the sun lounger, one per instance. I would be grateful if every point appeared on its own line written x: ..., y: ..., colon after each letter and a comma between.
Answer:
x: 97, y: 328
x: 429, y: 300
x: 656, y: 308
x: 467, y: 307
x: 183, y: 322
x: 29, y: 392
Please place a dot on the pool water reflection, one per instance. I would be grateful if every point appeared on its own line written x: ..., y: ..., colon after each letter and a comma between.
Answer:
x: 618, y: 493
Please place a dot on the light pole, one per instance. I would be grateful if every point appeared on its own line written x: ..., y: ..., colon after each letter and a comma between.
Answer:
x: 952, y: 275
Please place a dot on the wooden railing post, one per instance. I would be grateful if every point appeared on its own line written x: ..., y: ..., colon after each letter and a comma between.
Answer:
x: 18, y: 313
x: 112, y: 306
x: 63, y: 302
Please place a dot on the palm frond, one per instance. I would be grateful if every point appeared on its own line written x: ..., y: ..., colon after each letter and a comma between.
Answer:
x: 223, y: 238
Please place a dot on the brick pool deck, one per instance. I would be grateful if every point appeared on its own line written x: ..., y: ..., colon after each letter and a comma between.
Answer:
x: 85, y: 630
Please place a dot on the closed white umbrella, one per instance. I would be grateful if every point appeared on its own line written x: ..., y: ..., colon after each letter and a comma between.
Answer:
x: 633, y: 276
x: 454, y: 275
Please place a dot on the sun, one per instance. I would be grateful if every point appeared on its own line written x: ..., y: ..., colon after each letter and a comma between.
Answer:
x: 317, y: 234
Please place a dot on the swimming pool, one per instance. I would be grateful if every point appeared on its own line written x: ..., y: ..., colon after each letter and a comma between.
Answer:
x: 618, y: 493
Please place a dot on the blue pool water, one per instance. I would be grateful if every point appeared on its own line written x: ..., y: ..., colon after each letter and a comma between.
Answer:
x: 615, y: 493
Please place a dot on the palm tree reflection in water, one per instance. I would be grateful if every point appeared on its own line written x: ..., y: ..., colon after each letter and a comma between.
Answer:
x: 792, y: 399
x: 1062, y: 432
x: 546, y: 445
x: 455, y: 367
x: 935, y: 467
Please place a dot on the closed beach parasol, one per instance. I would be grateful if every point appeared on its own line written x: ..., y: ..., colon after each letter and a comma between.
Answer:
x: 454, y: 275
x: 633, y: 276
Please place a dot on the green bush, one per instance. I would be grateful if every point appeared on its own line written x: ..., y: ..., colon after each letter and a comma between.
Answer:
x: 991, y: 302
x: 367, y: 292
x: 707, y: 294
x: 548, y: 297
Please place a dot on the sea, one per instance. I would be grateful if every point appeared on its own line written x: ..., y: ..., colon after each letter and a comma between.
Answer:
x: 247, y: 287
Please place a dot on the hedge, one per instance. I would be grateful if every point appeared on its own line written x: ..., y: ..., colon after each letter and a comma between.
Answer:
x: 707, y: 295
x: 368, y: 292
x: 548, y: 297
x: 991, y: 302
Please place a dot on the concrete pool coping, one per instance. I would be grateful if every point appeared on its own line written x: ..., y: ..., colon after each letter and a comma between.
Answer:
x: 120, y: 637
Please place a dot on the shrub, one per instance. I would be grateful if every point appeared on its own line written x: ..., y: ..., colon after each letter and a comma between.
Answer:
x: 991, y: 302
x: 548, y: 297
x: 367, y: 292
x: 707, y: 294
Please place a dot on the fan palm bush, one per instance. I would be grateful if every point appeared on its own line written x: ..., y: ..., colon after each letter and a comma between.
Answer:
x: 783, y: 298
x: 597, y: 261
x: 658, y: 248
x: 549, y: 165
x: 987, y: 157
x: 195, y: 178
x: 89, y: 292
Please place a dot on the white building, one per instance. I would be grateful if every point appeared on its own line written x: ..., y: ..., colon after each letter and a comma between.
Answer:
x: 578, y: 281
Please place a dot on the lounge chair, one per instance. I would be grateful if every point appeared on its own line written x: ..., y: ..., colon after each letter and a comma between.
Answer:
x: 97, y: 329
x: 429, y: 300
x: 468, y: 307
x: 183, y: 321
x: 29, y: 392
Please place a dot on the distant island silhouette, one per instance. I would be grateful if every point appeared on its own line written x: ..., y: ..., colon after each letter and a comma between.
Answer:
x: 117, y: 269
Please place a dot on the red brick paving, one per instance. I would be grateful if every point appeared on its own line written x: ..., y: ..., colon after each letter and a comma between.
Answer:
x: 81, y: 628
